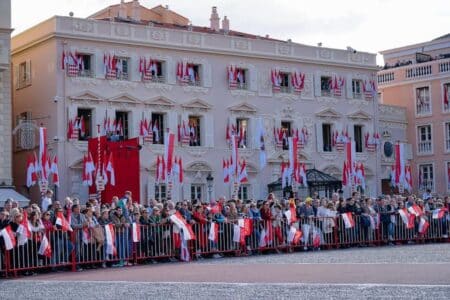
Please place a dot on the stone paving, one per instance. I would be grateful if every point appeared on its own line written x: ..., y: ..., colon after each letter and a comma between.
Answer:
x: 423, y: 273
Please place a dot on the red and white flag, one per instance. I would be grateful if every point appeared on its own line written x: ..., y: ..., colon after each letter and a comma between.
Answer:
x: 136, y: 230
x: 243, y: 176
x: 415, y: 210
x: 8, y: 237
x: 226, y: 173
x: 266, y: 235
x: 43, y: 152
x: 45, y: 249
x: 439, y: 213
x: 177, y: 219
x: 184, y: 251
x: 110, y: 240
x: 423, y: 225
x: 54, y: 170
x: 86, y: 235
x: 169, y: 146
x: 213, y: 232
x: 407, y: 218
x: 31, y: 170
x: 349, y: 222
x: 24, y: 231
x: 400, y: 164
x: 235, y: 157
x: 294, y: 236
x: 111, y: 170
x: 61, y: 221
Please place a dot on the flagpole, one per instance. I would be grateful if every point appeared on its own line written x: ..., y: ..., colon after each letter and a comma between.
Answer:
x: 99, y: 176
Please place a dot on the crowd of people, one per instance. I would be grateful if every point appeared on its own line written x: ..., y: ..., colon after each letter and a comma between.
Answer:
x: 357, y: 220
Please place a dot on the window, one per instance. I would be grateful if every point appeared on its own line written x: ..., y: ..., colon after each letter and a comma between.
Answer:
x: 241, y: 78
x: 285, y: 84
x: 84, y: 119
x: 356, y: 89
x: 243, y: 192
x: 426, y: 177
x: 197, y: 192
x: 286, y: 129
x: 85, y: 68
x: 242, y: 129
x: 448, y: 175
x: 357, y: 129
x: 423, y: 104
x: 160, y: 192
x: 122, y: 124
x: 446, y: 97
x: 154, y: 72
x: 194, y: 129
x: 424, y: 139
x: 194, y: 75
x: 447, y: 136
x: 23, y: 74
x: 325, y: 85
x: 158, y: 128
x: 25, y: 136
x: 327, y: 135
x: 122, y: 68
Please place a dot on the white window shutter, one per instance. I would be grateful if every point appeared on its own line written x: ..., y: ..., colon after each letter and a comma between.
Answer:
x: 317, y: 91
x: 16, y: 77
x: 252, y: 78
x: 207, y: 75
x: 208, y: 130
x: 348, y: 86
x: 170, y: 71
x: 28, y: 72
x: 319, y: 139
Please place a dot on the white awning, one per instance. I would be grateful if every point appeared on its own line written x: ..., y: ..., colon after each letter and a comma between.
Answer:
x: 9, y: 192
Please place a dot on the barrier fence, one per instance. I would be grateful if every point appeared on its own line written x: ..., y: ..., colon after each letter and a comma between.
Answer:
x: 95, y: 247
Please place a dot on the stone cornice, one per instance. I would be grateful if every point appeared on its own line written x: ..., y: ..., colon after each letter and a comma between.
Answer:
x: 141, y: 35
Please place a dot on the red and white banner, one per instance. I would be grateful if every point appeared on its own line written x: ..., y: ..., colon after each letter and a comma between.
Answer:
x: 400, y: 165
x: 275, y: 77
x: 243, y: 176
x: 9, y: 237
x: 226, y: 173
x: 43, y: 161
x: 177, y: 219
x: 213, y: 232
x: 423, y: 225
x: 415, y: 210
x: 298, y: 81
x: 31, y: 170
x: 349, y: 222
x: 136, y: 232
x: 169, y: 146
x: 407, y: 218
x: 110, y: 238
x: 266, y: 235
x: 61, y: 221
x: 24, y: 231
x: 235, y: 157
x: 439, y: 213
x: 294, y: 236
x: 111, y: 170
x: 54, y: 170
x: 369, y: 89
x: 45, y: 249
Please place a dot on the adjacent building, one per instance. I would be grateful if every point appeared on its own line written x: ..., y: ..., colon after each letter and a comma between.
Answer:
x: 417, y: 77
x: 205, y: 78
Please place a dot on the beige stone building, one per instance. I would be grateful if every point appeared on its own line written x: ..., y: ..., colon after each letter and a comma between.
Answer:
x: 330, y: 99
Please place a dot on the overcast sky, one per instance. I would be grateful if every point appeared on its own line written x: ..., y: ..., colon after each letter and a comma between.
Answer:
x: 370, y: 26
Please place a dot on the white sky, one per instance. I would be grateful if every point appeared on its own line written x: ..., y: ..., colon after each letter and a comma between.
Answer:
x: 365, y: 25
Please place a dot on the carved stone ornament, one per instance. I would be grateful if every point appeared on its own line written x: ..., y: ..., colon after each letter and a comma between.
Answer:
x: 195, y: 89
x: 324, y: 53
x: 242, y: 93
x: 85, y: 81
x: 287, y: 96
x: 241, y: 45
x: 123, y: 30
x: 284, y: 49
x: 328, y: 156
x: 123, y: 84
x: 158, y: 86
x: 355, y: 57
x: 83, y: 26
x: 157, y: 35
x: 193, y: 39
x: 197, y: 151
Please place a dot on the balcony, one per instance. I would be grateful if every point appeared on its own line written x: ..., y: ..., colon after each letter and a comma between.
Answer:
x: 286, y: 89
x: 357, y: 95
x: 414, y: 71
x: 154, y: 79
x: 425, y: 147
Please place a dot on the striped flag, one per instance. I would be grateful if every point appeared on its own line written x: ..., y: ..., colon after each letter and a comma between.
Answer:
x: 8, y: 237
x: 348, y: 220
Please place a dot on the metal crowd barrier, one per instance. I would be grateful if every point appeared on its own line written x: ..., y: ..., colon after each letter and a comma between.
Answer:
x: 138, y: 244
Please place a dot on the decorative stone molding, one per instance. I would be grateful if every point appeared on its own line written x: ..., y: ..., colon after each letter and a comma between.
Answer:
x: 355, y: 57
x: 242, y: 93
x: 362, y: 156
x: 393, y: 125
x: 243, y: 107
x: 122, y: 30
x: 359, y: 115
x: 193, y: 39
x: 197, y: 105
x: 329, y: 156
x: 328, y: 113
x: 161, y: 102
x: 264, y: 84
x: 123, y: 84
x: 287, y: 96
x: 162, y: 87
x: 327, y: 100
x: 124, y: 100
x: 287, y: 111
x: 83, y: 26
x: 197, y: 151
x: 324, y: 53
x: 241, y: 44
x: 195, y: 89
x: 85, y: 81
x: 285, y: 50
x: 158, y: 35
x: 198, y: 166
x: 86, y: 96
x: 358, y: 102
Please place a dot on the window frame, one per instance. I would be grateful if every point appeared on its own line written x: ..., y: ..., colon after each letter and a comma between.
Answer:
x: 161, y: 118
x: 416, y: 106
x: 197, y: 187
x: 325, y: 82
x: 246, y: 138
x: 198, y: 142
x: 330, y: 139
x: 355, y: 94
x: 289, y: 133
x: 427, y: 140
x: 89, y: 126
x: 160, y: 191
x: 244, y: 189
x: 359, y: 145
x: 125, y: 123
x: 421, y: 171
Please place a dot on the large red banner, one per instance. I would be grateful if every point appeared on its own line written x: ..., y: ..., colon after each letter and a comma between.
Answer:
x: 126, y: 167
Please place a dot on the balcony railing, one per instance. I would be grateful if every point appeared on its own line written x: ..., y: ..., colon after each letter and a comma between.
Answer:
x: 155, y: 79
x: 194, y: 83
x: 326, y: 93
x: 357, y: 95
x: 286, y: 89
x: 425, y: 147
x: 414, y: 71
x: 424, y: 108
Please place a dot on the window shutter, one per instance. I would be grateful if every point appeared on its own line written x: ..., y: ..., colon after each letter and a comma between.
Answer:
x: 317, y: 91
x: 319, y: 137
x: 208, y: 131
x: 252, y: 78
x: 170, y: 71
x: 348, y: 86
x: 16, y: 77
x: 207, y: 75
x: 28, y: 72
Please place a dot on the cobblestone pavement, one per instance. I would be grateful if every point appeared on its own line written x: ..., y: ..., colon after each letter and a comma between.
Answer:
x: 402, y: 272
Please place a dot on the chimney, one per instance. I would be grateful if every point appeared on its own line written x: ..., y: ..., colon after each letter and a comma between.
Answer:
x: 135, y: 11
x: 215, y: 20
x: 226, y: 24
x: 122, y: 10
